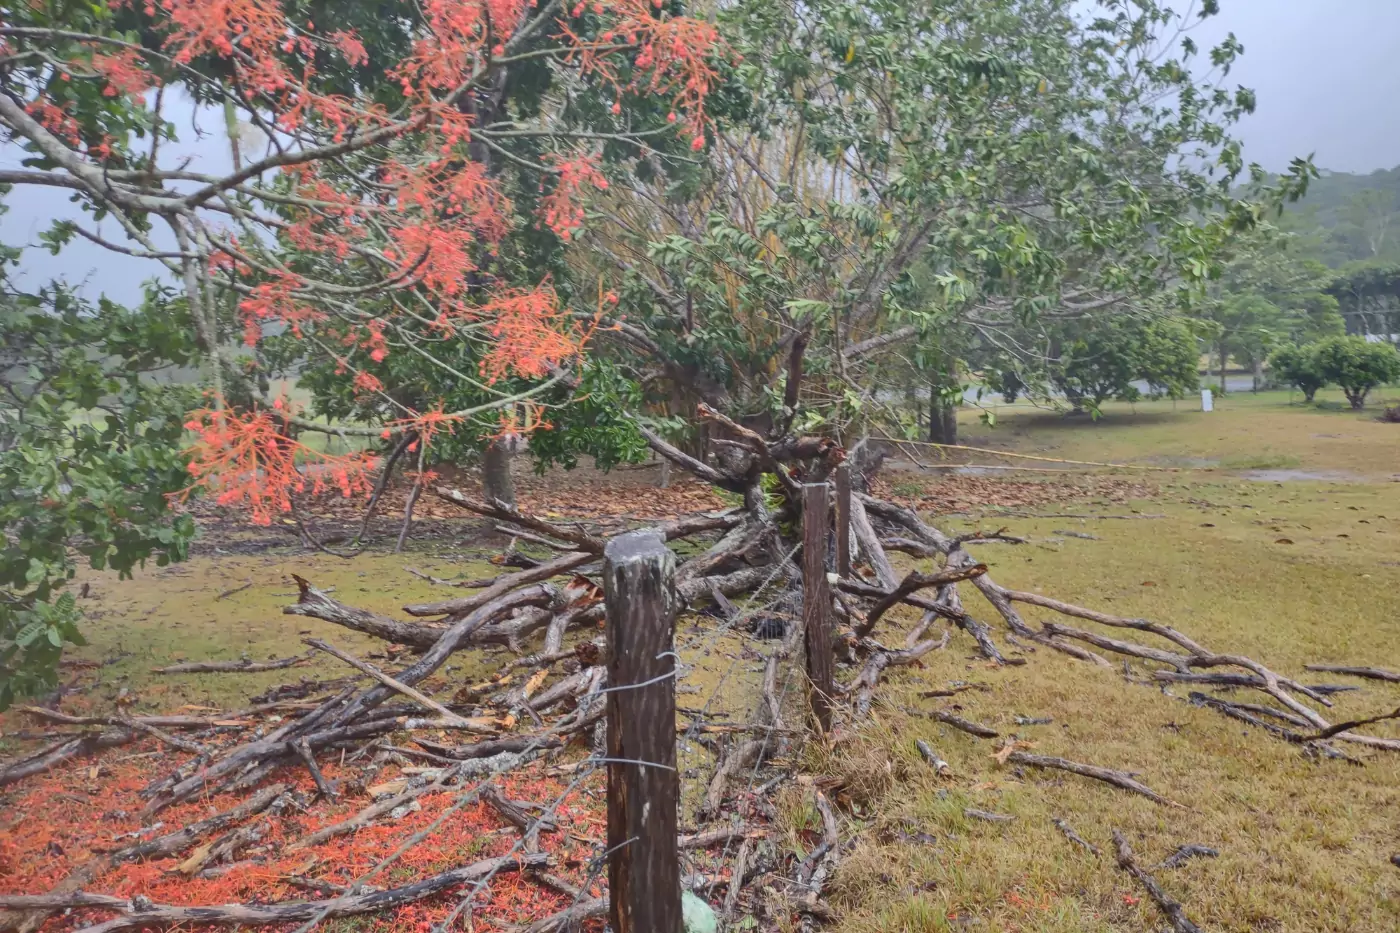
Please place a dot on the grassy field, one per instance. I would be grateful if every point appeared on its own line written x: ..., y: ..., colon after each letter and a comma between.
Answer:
x: 1246, y: 431
x: 1301, y: 568
x: 1287, y: 572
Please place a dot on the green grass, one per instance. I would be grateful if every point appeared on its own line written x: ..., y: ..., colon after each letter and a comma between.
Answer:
x: 1245, y: 431
x: 1289, y: 573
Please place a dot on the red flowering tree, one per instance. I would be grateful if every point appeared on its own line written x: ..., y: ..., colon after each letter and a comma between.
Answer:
x: 393, y: 169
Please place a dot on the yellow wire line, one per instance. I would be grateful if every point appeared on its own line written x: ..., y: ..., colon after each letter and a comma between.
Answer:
x: 1004, y: 453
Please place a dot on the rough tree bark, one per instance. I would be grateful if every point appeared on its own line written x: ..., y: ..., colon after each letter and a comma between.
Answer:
x: 497, y: 481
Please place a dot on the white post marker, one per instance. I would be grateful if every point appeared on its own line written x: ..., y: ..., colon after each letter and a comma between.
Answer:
x: 1207, y: 400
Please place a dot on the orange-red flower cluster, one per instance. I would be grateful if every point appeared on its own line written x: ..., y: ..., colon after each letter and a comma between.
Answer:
x: 248, y: 459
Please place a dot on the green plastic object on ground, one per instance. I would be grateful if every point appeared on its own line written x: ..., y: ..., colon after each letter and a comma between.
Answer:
x: 697, y: 916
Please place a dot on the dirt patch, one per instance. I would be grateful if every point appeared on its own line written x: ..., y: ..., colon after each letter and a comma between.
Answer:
x: 962, y: 493
x: 613, y: 498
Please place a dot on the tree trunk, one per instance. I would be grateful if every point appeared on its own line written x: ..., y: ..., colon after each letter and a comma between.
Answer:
x: 496, y: 480
x: 1223, y: 358
x: 1258, y: 373
x: 942, y: 420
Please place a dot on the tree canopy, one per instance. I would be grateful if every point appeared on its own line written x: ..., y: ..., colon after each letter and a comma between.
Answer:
x: 453, y: 222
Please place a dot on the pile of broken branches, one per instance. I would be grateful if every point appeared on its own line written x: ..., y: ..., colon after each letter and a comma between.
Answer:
x: 551, y: 693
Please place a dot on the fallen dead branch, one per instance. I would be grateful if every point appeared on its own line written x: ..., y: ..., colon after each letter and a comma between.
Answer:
x: 504, y: 584
x: 244, y: 666
x: 965, y: 725
x: 1107, y: 775
x: 1169, y: 907
x: 1370, y: 673
x: 882, y: 658
x: 80, y: 747
x: 571, y: 917
x: 138, y: 912
x: 180, y: 840
x: 987, y: 816
x: 912, y: 582
x: 1186, y: 853
x: 504, y: 513
x: 928, y: 754
x: 1073, y: 836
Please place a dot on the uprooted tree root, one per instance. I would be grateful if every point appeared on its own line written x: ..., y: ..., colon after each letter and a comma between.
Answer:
x: 551, y: 698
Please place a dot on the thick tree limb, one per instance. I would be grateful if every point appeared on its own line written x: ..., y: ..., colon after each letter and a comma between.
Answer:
x: 502, y: 585
x: 912, y: 582
x: 686, y: 462
x: 82, y: 746
x: 501, y: 512
x: 869, y: 543
x: 317, y: 604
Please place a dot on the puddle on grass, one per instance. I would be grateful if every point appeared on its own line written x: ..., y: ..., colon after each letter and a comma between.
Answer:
x: 1302, y: 476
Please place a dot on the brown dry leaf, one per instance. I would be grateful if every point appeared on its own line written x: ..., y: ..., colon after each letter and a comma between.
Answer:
x: 1005, y: 751
x: 1283, y: 540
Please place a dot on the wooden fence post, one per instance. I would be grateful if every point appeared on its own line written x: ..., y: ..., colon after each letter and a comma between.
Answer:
x: 644, y: 876
x: 843, y: 519
x: 816, y: 600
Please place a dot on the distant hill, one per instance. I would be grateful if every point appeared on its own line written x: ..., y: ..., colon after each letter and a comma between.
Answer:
x: 1349, y: 218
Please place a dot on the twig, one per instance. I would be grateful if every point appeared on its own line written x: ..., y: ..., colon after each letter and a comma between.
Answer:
x: 1341, y: 727
x: 988, y: 816
x: 939, y: 765
x: 1164, y: 902
x: 1073, y: 836
x: 1371, y: 673
x: 245, y: 666
x: 388, y: 681
x: 227, y: 593
x: 1186, y: 853
x: 736, y: 880
x: 916, y: 581
x: 957, y: 722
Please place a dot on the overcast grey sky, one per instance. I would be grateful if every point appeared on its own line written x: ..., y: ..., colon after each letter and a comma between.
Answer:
x: 1327, y: 74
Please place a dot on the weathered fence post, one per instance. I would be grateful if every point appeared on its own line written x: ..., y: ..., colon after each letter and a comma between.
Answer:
x: 843, y: 519
x: 816, y: 600
x: 644, y: 878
